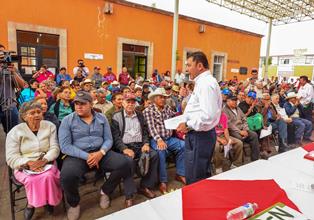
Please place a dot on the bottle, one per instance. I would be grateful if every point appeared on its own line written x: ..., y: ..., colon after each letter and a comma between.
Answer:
x: 242, y: 212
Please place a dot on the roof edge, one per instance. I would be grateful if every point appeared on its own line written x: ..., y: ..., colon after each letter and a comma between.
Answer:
x: 188, y: 18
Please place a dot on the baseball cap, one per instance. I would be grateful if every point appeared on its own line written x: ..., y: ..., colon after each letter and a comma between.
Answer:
x: 129, y: 96
x: 82, y: 96
x: 252, y: 94
x: 225, y: 92
x: 232, y: 97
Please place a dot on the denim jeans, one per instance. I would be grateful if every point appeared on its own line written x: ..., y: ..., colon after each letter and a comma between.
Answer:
x: 175, y: 146
x: 303, y: 128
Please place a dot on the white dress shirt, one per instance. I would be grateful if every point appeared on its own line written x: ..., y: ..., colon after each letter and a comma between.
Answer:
x: 306, y: 94
x: 179, y: 78
x: 204, y: 107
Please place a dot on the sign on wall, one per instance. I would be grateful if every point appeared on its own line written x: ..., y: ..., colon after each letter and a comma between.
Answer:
x: 93, y: 56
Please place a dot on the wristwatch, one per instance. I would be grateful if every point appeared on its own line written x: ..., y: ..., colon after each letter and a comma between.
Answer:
x: 103, y: 152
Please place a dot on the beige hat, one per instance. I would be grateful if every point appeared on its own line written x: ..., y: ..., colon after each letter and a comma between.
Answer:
x: 176, y: 88
x: 87, y: 81
x: 115, y: 83
x: 158, y: 91
x: 291, y: 95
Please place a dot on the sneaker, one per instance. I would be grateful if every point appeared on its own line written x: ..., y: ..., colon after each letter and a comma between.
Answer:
x: 74, y: 213
x: 104, y: 201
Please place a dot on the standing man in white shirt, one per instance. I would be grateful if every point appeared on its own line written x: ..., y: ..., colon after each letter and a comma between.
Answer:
x: 306, y: 96
x: 202, y: 114
x: 179, y: 77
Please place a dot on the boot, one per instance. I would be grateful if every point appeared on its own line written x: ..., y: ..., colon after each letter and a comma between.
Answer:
x: 283, y: 146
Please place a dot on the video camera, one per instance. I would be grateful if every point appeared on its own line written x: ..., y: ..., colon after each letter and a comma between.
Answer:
x: 8, y: 57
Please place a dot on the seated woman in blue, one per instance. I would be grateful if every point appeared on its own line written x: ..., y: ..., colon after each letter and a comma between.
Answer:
x: 28, y: 94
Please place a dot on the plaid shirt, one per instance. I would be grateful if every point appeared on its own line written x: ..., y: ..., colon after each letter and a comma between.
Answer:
x: 155, y: 120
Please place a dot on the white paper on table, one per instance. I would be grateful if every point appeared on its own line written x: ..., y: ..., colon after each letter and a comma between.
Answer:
x: 266, y: 132
x: 173, y: 123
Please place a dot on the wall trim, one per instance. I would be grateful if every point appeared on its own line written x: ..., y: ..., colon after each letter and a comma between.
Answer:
x: 150, y: 53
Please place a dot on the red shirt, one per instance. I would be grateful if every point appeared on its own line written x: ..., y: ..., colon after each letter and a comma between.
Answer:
x: 45, y: 76
x: 110, y: 77
x: 124, y: 78
x: 222, y: 125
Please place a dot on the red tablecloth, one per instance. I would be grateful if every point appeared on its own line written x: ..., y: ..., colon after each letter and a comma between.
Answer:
x: 212, y: 199
x: 309, y: 147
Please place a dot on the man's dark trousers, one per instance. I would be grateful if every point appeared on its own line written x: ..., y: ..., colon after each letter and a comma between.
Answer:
x: 199, y: 149
x: 151, y: 178
x: 74, y: 168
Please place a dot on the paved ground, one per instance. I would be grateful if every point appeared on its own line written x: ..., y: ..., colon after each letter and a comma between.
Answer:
x: 89, y: 201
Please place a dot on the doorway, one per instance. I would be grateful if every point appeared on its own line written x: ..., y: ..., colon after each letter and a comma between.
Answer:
x: 134, y: 58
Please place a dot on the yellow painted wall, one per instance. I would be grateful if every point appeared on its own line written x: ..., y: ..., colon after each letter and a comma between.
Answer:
x: 303, y: 70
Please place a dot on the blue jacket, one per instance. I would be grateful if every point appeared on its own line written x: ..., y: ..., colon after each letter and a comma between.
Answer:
x: 61, y: 77
x: 26, y: 95
x: 291, y: 109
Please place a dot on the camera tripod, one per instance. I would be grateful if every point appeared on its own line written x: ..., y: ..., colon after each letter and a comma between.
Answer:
x: 7, y: 101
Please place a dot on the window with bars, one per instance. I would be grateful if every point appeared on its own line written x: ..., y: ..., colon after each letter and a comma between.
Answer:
x: 28, y: 59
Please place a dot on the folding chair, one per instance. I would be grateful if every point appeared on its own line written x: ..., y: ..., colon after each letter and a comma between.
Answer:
x: 15, y: 187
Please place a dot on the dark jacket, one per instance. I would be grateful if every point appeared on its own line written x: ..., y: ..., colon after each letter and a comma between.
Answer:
x: 291, y: 109
x: 118, y: 128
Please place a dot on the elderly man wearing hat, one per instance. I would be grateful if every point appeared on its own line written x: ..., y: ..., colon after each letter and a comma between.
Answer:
x: 131, y: 137
x: 175, y: 95
x: 248, y: 106
x: 162, y: 140
x: 294, y: 110
x: 85, y: 137
x: 239, y: 128
x: 87, y: 85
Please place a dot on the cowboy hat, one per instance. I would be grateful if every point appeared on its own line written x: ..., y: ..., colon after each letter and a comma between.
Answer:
x: 291, y: 95
x: 158, y: 91
x: 175, y: 88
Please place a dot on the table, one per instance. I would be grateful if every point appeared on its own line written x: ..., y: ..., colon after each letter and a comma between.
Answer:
x: 285, y: 169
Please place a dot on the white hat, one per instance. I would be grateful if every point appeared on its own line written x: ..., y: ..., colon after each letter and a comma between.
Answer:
x: 87, y: 81
x: 291, y: 95
x: 115, y: 83
x: 158, y: 91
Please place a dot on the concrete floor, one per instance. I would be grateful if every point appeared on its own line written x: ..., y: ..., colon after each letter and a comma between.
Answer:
x: 89, y: 201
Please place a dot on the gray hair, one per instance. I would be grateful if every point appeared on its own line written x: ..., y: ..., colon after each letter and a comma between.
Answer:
x: 100, y: 91
x: 26, y: 106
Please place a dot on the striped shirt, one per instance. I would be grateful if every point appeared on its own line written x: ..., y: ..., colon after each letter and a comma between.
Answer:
x: 132, y: 131
x: 155, y: 120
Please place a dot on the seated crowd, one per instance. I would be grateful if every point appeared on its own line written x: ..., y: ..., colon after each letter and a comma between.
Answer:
x: 116, y: 126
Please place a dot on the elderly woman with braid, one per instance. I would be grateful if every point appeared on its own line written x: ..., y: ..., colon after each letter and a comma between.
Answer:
x: 31, y: 149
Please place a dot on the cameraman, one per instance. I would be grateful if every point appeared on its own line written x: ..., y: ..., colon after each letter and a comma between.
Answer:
x: 82, y: 67
x: 10, y: 79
